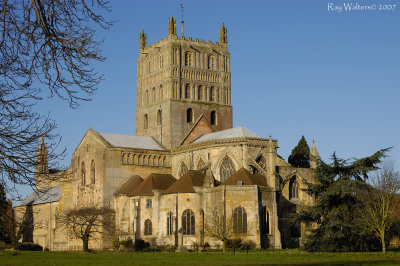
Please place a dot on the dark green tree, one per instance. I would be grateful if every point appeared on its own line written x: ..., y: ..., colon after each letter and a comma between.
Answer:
x: 4, y: 205
x: 300, y: 156
x: 334, y: 214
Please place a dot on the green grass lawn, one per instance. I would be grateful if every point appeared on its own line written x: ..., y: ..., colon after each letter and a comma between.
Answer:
x: 29, y: 258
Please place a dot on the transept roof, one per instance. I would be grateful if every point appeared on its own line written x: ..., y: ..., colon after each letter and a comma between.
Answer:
x: 236, y: 132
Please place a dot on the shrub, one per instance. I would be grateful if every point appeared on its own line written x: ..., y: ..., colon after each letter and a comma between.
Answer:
x: 127, y: 244
x: 249, y: 244
x: 206, y: 245
x: 27, y: 246
x: 140, y: 244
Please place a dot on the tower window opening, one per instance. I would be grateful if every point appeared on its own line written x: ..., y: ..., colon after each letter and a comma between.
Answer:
x: 145, y: 122
x: 187, y: 91
x: 212, y: 94
x: 159, y: 118
x: 213, y: 118
x: 211, y: 62
x: 200, y: 93
x: 189, y: 115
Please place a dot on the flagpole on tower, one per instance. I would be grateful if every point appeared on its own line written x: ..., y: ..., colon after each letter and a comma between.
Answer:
x: 182, y: 22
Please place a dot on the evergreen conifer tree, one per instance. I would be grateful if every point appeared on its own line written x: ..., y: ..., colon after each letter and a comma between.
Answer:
x: 300, y: 156
x: 338, y: 226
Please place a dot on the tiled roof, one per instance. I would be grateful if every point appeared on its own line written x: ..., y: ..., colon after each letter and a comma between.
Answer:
x: 130, y: 186
x: 153, y: 181
x: 246, y: 178
x: 44, y: 196
x: 186, y: 183
x: 131, y: 141
x: 237, y: 132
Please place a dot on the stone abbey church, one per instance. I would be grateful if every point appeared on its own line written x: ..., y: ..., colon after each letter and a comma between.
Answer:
x: 184, y: 164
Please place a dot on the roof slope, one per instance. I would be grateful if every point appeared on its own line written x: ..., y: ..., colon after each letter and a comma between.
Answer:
x: 153, y: 181
x: 43, y: 196
x: 185, y: 184
x: 237, y: 132
x: 130, y: 186
x: 246, y: 178
x: 200, y: 128
x: 131, y: 141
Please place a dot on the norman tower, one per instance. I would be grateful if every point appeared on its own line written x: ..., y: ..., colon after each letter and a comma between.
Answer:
x: 178, y: 80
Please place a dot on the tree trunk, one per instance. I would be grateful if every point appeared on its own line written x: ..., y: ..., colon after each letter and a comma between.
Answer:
x: 383, y: 243
x: 223, y: 246
x: 85, y: 241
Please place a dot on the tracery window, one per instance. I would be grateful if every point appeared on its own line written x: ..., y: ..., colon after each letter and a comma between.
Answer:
x: 293, y: 188
x: 211, y: 62
x: 239, y: 220
x: 227, y: 169
x: 92, y: 172
x: 182, y: 169
x: 188, y: 222
x: 148, y: 228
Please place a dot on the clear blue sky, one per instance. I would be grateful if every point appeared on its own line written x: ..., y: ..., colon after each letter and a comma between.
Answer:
x: 297, y: 69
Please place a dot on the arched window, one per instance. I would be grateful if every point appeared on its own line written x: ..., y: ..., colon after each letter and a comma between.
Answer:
x: 182, y: 169
x: 213, y: 117
x: 161, y: 60
x: 83, y: 173
x: 92, y: 172
x: 200, y: 164
x: 188, y: 222
x: 159, y: 117
x: 187, y: 91
x: 153, y: 94
x: 188, y: 59
x: 189, y: 115
x: 293, y: 188
x: 148, y: 228
x: 161, y: 96
x: 227, y: 169
x: 169, y: 223
x: 146, y: 97
x: 239, y: 220
x: 212, y: 94
x: 145, y: 122
x: 200, y: 93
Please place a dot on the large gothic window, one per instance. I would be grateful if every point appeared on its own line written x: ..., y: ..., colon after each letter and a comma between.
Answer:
x: 188, y: 222
x: 227, y: 169
x: 92, y: 172
x: 239, y: 220
x: 293, y: 188
x: 83, y: 173
x: 148, y: 228
x: 182, y: 169
x: 189, y: 115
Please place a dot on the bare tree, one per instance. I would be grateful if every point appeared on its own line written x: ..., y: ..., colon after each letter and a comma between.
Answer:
x: 380, y: 204
x: 87, y: 223
x: 219, y: 226
x: 47, y: 49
